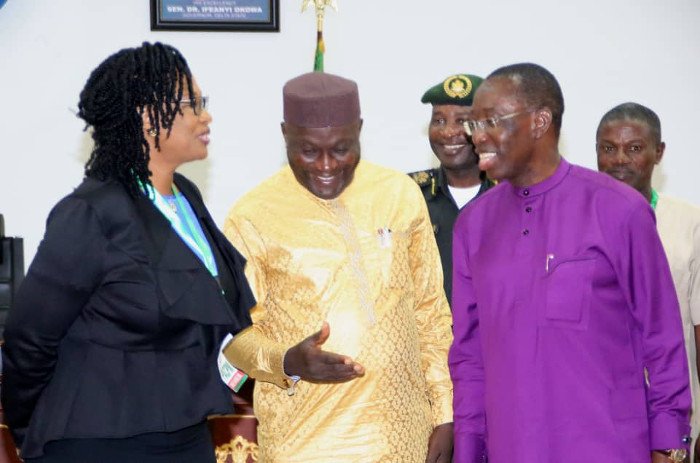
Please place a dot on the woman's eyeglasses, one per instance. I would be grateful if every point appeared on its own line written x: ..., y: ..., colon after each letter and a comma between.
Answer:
x: 198, y: 104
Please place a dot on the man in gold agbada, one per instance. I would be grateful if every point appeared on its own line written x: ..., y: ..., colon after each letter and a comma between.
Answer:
x: 337, y: 243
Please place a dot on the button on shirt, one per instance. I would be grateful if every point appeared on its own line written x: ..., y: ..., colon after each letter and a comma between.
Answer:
x: 562, y: 298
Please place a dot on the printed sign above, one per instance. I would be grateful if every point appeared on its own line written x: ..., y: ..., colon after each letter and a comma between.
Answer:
x: 215, y: 15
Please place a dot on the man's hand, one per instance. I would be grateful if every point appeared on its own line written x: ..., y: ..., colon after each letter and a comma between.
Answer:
x: 657, y: 457
x: 308, y: 361
x: 440, y: 444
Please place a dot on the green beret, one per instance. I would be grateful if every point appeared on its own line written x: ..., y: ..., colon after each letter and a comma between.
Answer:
x: 458, y: 90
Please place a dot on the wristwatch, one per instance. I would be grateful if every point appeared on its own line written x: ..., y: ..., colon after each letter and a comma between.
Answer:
x: 291, y: 383
x: 675, y: 455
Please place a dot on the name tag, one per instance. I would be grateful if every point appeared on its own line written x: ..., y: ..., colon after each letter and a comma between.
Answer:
x: 232, y: 376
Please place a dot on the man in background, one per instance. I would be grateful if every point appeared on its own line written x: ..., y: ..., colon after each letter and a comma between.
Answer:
x: 337, y: 243
x: 629, y: 146
x: 448, y: 188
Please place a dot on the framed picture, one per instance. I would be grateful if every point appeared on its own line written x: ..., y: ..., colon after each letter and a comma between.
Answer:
x: 215, y: 15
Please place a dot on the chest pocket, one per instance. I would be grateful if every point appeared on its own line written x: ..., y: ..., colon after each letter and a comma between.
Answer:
x: 567, y: 290
x: 388, y: 258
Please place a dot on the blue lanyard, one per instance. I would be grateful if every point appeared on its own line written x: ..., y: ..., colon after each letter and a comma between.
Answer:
x: 190, y: 235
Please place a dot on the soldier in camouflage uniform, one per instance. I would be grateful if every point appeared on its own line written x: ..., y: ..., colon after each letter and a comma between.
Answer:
x: 448, y: 188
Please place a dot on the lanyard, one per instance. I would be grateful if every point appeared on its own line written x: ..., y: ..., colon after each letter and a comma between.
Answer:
x: 654, y: 198
x: 191, y: 236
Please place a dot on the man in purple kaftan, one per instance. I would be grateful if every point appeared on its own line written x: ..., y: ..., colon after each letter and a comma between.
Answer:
x: 562, y: 298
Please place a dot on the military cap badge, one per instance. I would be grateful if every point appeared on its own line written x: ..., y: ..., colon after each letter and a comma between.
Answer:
x: 458, y: 86
x: 458, y: 89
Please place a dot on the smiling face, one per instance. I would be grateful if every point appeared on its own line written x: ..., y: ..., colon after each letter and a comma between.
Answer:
x: 628, y: 151
x: 448, y: 139
x: 323, y: 159
x: 505, y: 150
x: 189, y: 135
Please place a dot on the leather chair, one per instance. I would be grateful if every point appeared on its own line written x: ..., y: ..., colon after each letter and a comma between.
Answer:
x: 11, y: 271
x: 11, y: 275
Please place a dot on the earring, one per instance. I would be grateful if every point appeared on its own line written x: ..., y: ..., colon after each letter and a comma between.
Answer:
x: 152, y: 132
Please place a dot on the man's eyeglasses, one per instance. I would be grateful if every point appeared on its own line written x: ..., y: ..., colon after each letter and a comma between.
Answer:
x: 491, y: 122
x: 198, y: 104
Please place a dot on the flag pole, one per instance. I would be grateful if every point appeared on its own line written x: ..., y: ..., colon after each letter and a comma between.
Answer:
x: 320, y: 7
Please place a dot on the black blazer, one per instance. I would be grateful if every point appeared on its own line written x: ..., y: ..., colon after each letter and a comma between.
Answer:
x: 116, y: 328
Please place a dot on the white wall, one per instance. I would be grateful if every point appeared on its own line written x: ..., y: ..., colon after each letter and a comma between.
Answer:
x: 603, y: 53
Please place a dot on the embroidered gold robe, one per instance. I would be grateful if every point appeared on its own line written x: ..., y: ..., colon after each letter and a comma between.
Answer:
x: 367, y: 263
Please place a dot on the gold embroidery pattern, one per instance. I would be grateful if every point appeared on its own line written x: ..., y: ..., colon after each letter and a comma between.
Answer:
x: 402, y: 388
x: 347, y: 228
x: 285, y: 281
x: 238, y: 450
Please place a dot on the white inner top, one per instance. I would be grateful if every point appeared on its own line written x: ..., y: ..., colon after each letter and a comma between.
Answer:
x: 463, y: 195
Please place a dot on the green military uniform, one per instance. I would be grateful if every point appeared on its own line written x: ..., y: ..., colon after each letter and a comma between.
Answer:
x: 459, y: 90
x: 443, y: 212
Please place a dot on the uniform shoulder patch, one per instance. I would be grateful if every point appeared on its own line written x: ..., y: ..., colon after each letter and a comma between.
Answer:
x: 422, y: 177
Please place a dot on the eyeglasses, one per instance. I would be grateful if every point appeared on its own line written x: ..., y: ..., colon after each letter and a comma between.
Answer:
x: 491, y: 122
x: 197, y: 104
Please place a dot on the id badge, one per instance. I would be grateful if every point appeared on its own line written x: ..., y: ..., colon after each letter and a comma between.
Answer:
x: 232, y: 376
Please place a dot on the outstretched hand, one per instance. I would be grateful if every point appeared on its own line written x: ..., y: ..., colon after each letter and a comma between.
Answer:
x: 311, y: 363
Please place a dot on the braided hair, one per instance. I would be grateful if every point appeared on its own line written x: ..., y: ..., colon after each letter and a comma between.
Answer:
x: 148, y: 78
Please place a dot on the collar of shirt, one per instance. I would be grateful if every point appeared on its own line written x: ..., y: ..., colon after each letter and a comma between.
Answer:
x: 546, y: 184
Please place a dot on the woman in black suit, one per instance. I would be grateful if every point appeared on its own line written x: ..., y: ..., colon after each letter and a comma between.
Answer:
x: 111, y: 347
